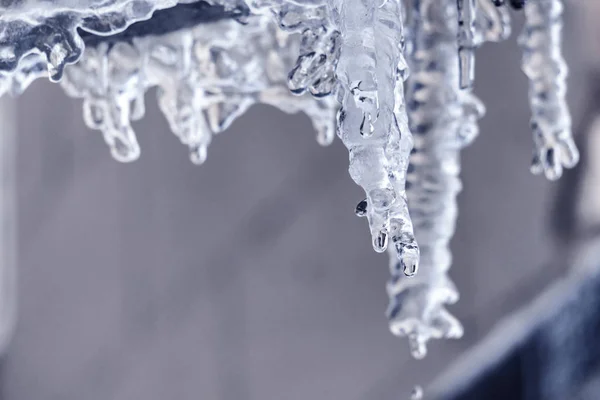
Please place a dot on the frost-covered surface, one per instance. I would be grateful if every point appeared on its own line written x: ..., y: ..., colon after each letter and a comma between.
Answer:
x: 546, y: 69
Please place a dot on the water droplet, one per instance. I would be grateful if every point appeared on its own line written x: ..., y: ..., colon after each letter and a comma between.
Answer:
x: 417, y: 345
x: 417, y: 393
x: 366, y: 126
x: 410, y: 263
x: 569, y: 153
x: 361, y: 208
x: 517, y: 4
x: 380, y: 241
x: 198, y: 155
x: 123, y: 151
x: 325, y: 135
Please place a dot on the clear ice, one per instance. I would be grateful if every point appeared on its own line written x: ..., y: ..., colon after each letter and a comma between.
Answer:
x: 206, y: 77
x: 393, y: 79
x: 443, y: 119
x: 372, y: 121
x: 48, y: 29
x: 547, y: 72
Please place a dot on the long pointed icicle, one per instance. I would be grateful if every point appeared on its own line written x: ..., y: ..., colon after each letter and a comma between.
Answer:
x: 108, y: 80
x: 179, y: 96
x: 372, y: 122
x: 547, y: 72
x: 443, y: 120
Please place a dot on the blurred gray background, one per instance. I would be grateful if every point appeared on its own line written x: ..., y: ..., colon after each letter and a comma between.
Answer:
x: 249, y: 277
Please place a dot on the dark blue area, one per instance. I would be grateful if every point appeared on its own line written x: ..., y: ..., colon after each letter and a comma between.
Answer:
x: 558, y: 357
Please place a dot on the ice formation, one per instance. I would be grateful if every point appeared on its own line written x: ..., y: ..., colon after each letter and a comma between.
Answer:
x: 547, y: 72
x: 393, y: 78
x: 206, y: 77
x: 49, y: 28
x: 443, y: 119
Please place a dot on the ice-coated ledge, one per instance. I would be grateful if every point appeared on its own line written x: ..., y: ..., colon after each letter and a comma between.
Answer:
x: 50, y: 28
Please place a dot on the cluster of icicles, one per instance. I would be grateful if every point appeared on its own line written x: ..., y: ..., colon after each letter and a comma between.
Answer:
x: 393, y: 78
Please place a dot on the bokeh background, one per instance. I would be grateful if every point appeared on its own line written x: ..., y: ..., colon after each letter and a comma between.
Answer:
x: 249, y: 277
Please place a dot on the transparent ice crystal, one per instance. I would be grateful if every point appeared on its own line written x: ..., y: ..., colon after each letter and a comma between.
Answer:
x: 48, y: 28
x: 372, y: 121
x: 443, y: 119
x: 547, y: 72
x: 206, y: 77
x: 345, y: 63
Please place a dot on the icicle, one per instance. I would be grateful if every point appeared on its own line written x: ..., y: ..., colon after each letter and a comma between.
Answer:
x: 174, y: 69
x: 467, y: 10
x: 182, y: 106
x: 546, y: 69
x: 443, y: 120
x: 109, y: 81
x: 372, y: 122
